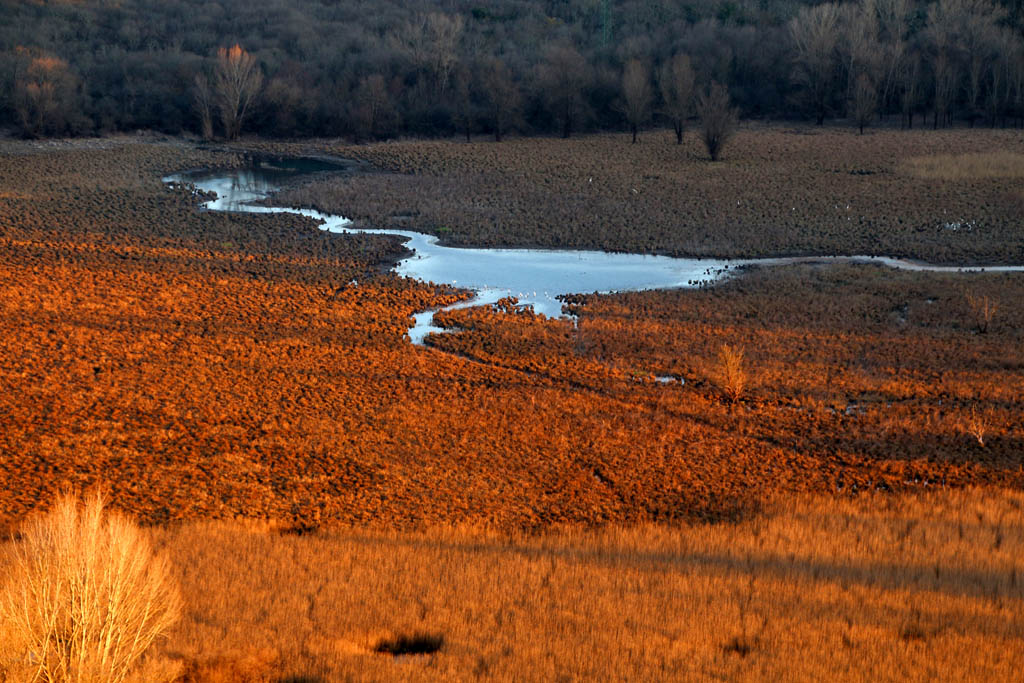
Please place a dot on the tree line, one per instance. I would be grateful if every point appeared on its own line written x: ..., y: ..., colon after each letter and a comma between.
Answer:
x: 377, y: 69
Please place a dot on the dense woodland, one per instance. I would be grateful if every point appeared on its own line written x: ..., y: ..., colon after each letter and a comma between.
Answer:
x: 371, y: 70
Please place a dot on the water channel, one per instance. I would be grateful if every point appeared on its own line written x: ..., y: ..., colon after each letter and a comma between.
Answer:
x: 534, y: 276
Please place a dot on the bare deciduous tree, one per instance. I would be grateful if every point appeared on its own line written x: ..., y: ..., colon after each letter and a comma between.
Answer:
x: 717, y: 118
x: 503, y: 96
x: 865, y: 99
x: 893, y: 28
x: 372, y: 105
x: 431, y: 41
x: 43, y: 90
x: 564, y: 75
x: 465, y: 111
x: 860, y: 48
x: 815, y: 36
x: 202, y: 97
x: 676, y: 81
x: 978, y: 34
x: 910, y: 86
x: 636, y: 94
x: 237, y: 80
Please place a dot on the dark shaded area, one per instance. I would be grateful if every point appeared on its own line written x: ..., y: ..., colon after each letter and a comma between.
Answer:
x: 415, y: 644
x: 370, y: 70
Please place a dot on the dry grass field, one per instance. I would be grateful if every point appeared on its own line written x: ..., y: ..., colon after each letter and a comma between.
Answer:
x: 922, y: 587
x: 940, y: 196
x: 524, y: 493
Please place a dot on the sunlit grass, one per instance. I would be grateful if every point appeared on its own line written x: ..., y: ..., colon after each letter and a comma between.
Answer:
x: 876, y: 588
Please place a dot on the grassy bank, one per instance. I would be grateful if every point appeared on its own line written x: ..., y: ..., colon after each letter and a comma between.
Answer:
x: 941, y: 196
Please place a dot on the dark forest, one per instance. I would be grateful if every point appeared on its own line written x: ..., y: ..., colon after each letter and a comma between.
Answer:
x: 430, y: 68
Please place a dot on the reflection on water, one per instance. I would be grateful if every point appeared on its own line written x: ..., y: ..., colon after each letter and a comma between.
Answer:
x: 534, y: 276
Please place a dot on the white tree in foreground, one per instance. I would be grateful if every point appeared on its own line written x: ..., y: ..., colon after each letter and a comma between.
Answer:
x: 83, y: 599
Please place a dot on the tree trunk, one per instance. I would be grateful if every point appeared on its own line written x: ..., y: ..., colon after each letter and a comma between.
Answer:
x: 679, y: 132
x: 634, y: 133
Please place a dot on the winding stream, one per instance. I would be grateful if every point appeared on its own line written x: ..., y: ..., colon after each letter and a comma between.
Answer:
x: 534, y: 276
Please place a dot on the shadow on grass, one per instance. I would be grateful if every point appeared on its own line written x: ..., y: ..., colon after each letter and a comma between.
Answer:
x: 415, y: 644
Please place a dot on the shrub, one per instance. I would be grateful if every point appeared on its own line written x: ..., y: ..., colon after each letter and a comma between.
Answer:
x: 984, y: 310
x: 717, y: 119
x: 84, y: 597
x: 732, y: 377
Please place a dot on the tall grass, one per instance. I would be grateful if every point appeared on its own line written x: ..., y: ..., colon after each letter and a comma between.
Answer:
x: 874, y: 588
x: 84, y: 597
x: 1002, y: 164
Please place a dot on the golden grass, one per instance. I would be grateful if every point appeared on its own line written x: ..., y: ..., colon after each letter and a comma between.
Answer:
x: 976, y: 166
x: 920, y: 587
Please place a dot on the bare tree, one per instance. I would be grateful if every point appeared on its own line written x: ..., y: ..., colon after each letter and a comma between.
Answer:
x: 237, y: 80
x: 202, y: 97
x: 717, y: 118
x: 910, y: 86
x: 372, y: 105
x: 944, y: 70
x: 465, y: 110
x: 893, y: 28
x: 865, y: 99
x: 503, y: 96
x: 815, y: 36
x: 978, y: 33
x: 564, y: 75
x: 860, y: 49
x: 676, y: 80
x: 1008, y: 60
x: 431, y: 42
x: 636, y: 94
x: 44, y: 88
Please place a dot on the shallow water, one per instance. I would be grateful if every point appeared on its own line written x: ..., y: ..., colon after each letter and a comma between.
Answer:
x: 534, y: 276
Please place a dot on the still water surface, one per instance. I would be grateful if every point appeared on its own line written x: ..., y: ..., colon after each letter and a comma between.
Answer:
x: 534, y: 276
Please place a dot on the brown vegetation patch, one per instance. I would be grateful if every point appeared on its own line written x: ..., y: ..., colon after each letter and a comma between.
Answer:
x: 985, y: 165
x: 779, y: 192
x: 204, y: 365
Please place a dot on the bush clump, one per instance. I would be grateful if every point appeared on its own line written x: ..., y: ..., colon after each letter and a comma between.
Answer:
x: 83, y: 598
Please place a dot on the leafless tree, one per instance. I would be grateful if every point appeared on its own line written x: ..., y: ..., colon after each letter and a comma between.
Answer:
x: 431, y: 41
x: 676, y: 80
x: 815, y: 36
x: 202, y: 97
x: 717, y: 118
x: 465, y: 112
x: 564, y: 75
x: 860, y: 48
x: 43, y: 91
x: 237, y: 80
x: 1003, y: 71
x: 503, y: 96
x: 978, y: 33
x: 865, y: 99
x: 636, y: 94
x: 373, y: 105
x: 910, y: 86
x: 893, y: 28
